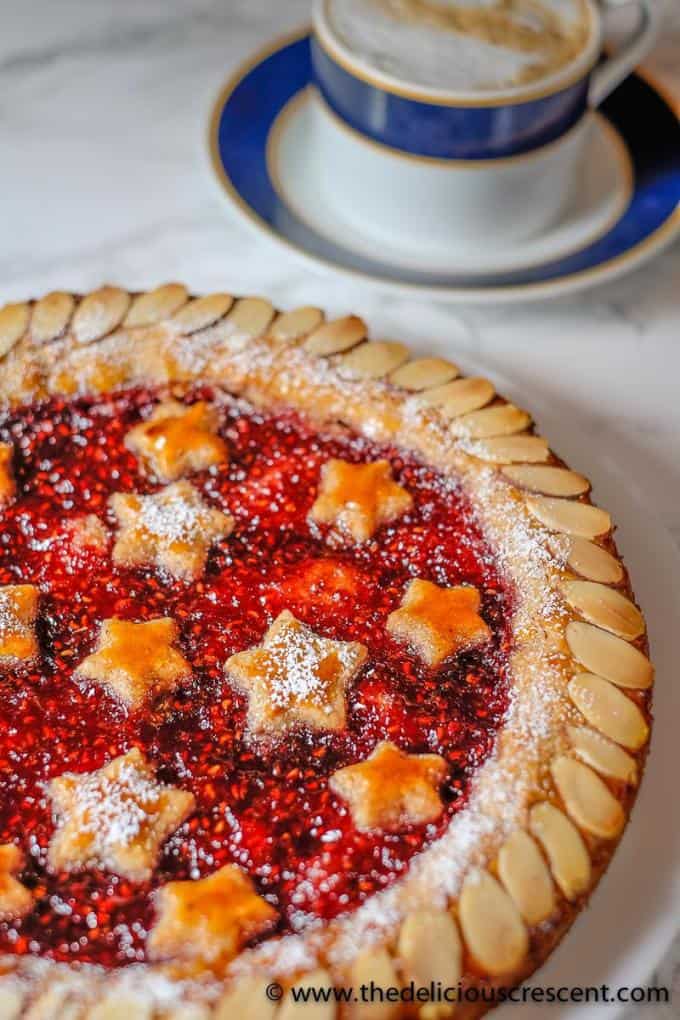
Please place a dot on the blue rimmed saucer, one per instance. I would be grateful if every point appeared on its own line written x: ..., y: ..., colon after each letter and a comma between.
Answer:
x: 257, y: 147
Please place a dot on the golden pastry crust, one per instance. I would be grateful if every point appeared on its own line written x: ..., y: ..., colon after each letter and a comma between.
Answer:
x: 208, y: 919
x: 357, y: 499
x: 490, y: 899
x: 295, y: 677
x: 88, y: 533
x: 117, y: 817
x: 18, y: 614
x: 177, y: 440
x: 136, y: 661
x: 171, y: 530
x: 15, y: 899
x: 7, y: 482
x: 391, y: 790
x: 438, y: 622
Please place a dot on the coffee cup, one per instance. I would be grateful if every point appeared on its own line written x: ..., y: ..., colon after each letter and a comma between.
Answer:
x: 487, y: 161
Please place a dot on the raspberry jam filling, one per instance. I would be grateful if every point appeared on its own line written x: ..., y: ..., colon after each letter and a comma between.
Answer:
x: 267, y: 808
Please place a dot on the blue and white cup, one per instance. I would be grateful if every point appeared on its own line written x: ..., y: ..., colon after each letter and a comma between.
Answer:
x: 446, y: 165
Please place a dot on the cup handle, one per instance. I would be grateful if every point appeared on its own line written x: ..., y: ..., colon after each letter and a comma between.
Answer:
x: 614, y: 69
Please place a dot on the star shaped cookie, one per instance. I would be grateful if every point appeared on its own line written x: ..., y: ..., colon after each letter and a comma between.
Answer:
x: 87, y: 533
x: 178, y: 440
x: 15, y: 899
x: 357, y: 499
x: 173, y: 529
x: 18, y: 614
x: 295, y: 677
x: 438, y: 622
x: 209, y: 919
x: 8, y: 487
x: 392, y: 790
x: 116, y: 818
x: 136, y: 661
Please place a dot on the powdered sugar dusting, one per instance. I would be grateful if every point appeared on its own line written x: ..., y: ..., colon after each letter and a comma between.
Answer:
x: 504, y: 785
x: 9, y: 621
x: 120, y: 815
x: 498, y: 803
x: 138, y: 987
x: 12, y: 621
x: 203, y: 352
x: 115, y: 811
x: 175, y: 515
x: 304, y: 666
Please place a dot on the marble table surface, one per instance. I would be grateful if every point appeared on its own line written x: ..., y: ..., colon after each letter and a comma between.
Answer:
x: 104, y: 177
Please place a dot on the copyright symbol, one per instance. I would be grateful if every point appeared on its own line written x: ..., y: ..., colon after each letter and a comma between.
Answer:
x: 274, y: 992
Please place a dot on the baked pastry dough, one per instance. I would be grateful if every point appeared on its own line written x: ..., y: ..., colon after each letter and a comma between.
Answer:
x: 470, y: 684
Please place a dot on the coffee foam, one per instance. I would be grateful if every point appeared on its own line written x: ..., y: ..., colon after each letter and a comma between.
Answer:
x: 462, y: 45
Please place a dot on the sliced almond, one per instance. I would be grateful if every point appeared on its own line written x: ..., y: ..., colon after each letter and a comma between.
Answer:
x: 291, y: 1010
x: 605, y: 607
x: 119, y: 1006
x: 202, y: 312
x: 297, y: 323
x: 587, y: 798
x: 609, y: 710
x: 99, y: 313
x: 464, y: 395
x: 594, y: 562
x: 13, y: 324
x: 511, y: 450
x: 424, y: 374
x: 12, y: 998
x: 525, y: 875
x: 601, y: 754
x: 246, y: 1000
x: 191, y: 1011
x: 55, y: 1001
x: 374, y: 965
x: 436, y: 396
x: 550, y: 481
x: 373, y: 360
x: 564, y: 846
x: 609, y: 656
x: 501, y: 420
x: 336, y: 336
x: 570, y: 517
x: 492, y: 926
x: 51, y: 315
x: 429, y: 948
x: 157, y: 305
x: 251, y: 316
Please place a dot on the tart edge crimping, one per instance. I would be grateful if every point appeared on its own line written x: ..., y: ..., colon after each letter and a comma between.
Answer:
x: 534, y: 864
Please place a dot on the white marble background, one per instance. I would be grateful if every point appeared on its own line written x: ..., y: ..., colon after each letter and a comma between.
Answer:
x: 103, y: 177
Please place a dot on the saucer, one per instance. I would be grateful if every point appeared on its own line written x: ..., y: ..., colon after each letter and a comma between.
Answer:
x: 297, y: 174
x: 618, y: 220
